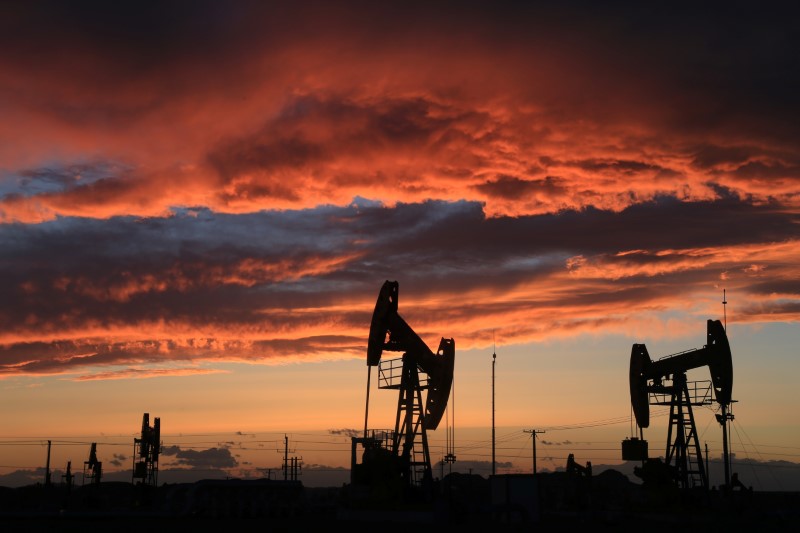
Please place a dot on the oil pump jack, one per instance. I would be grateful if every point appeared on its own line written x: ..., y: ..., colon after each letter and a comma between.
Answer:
x: 402, y: 455
x: 92, y: 469
x: 663, y: 382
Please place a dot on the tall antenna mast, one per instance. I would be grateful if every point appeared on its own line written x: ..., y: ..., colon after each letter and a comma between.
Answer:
x: 724, y: 310
x: 494, y: 361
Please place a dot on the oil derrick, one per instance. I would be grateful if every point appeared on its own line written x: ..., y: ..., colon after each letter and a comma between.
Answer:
x: 663, y: 382
x: 398, y: 462
x: 92, y: 469
x: 145, y: 452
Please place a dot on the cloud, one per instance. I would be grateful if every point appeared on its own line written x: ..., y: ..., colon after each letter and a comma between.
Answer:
x: 346, y: 432
x: 140, y: 373
x: 23, y: 477
x: 180, y: 187
x: 555, y: 443
x: 139, y: 298
x: 402, y: 119
x: 217, y: 458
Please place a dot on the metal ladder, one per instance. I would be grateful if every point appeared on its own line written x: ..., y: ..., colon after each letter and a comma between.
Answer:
x: 695, y: 470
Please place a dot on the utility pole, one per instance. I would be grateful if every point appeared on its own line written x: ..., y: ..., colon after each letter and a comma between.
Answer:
x: 47, y: 469
x: 494, y: 361
x: 285, y: 457
x: 291, y: 466
x: 533, y: 433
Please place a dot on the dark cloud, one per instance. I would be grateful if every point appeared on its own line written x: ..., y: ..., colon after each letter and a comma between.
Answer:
x: 205, y: 271
x: 216, y: 458
x: 512, y: 187
x: 80, y: 177
x: 768, y: 172
x: 346, y: 432
x: 778, y: 310
x: 626, y: 167
x: 59, y: 357
x: 21, y: 478
x: 126, y: 42
x: 663, y: 223
x: 774, y: 286
x: 710, y: 156
x: 731, y: 64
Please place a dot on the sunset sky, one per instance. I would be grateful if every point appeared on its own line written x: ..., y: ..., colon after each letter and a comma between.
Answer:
x: 200, y: 201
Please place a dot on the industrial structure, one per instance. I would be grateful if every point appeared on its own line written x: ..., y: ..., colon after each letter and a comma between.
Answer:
x: 397, y: 462
x: 146, y: 451
x: 576, y: 469
x: 391, y: 471
x: 92, y: 469
x: 664, y: 382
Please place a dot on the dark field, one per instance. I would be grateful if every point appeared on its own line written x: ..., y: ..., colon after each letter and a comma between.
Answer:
x: 550, y: 502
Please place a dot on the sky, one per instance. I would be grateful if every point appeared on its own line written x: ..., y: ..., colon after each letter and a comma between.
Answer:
x: 200, y: 202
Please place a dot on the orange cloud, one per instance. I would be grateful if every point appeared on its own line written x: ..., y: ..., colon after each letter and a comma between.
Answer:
x: 237, y: 187
x: 188, y: 276
x: 644, y: 263
x: 140, y: 373
x: 309, y: 118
